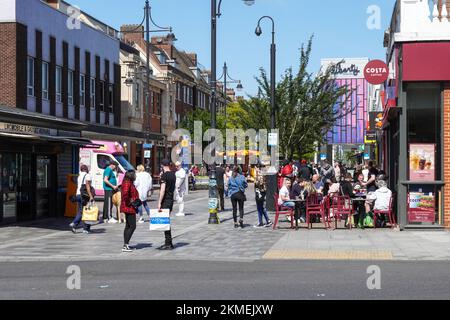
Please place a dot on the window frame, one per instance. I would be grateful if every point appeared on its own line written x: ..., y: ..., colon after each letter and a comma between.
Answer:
x: 45, y: 80
x: 70, y: 86
x: 82, y: 90
x: 58, y: 84
x: 30, y: 76
x: 93, y: 92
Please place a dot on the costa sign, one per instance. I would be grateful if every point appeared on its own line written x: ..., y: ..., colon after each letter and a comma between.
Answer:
x: 376, y: 72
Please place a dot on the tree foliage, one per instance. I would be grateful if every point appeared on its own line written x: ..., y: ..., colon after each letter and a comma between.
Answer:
x: 308, y: 106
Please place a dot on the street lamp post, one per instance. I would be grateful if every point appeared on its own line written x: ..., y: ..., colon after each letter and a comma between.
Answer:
x: 226, y: 80
x: 213, y: 193
x: 272, y: 185
x: 148, y: 18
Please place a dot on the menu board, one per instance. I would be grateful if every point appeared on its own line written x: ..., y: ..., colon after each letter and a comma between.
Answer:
x: 422, y: 207
x: 422, y: 162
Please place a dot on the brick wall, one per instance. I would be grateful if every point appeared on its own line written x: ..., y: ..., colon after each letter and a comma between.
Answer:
x: 447, y: 155
x: 8, y: 64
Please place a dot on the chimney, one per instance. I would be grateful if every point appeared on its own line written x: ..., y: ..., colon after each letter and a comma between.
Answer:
x: 193, y: 57
x: 135, y: 33
x: 53, y: 3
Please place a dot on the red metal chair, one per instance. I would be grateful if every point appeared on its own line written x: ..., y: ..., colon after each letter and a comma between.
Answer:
x: 280, y: 210
x: 389, y: 213
x: 341, y: 206
x: 314, y: 208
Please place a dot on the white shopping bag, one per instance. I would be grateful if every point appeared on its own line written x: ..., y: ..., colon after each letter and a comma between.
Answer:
x: 159, y: 220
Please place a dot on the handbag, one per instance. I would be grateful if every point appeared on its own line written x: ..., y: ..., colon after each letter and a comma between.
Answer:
x: 83, y: 191
x: 368, y: 221
x: 136, y: 204
x: 90, y: 213
x: 159, y: 220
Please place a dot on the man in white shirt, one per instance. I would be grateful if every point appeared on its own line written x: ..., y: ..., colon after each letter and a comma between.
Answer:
x: 144, y: 186
x: 180, y: 188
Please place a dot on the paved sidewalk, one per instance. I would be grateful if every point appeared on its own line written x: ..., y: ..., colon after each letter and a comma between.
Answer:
x: 368, y: 244
x: 51, y: 240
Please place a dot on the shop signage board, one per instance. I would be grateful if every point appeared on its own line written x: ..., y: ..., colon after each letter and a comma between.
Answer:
x: 422, y: 162
x: 371, y: 137
x: 27, y: 130
x: 376, y: 72
x: 147, y: 154
x: 422, y: 207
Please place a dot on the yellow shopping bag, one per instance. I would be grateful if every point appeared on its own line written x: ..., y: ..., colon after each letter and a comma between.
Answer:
x: 90, y: 213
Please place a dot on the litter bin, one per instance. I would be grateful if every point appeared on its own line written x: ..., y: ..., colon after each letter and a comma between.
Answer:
x: 71, y: 207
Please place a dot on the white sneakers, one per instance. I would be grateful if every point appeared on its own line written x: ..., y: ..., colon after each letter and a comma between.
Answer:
x: 112, y: 220
x: 141, y: 220
x: 180, y: 214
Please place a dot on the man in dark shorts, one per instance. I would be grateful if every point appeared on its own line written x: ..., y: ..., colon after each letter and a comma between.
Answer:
x: 166, y: 195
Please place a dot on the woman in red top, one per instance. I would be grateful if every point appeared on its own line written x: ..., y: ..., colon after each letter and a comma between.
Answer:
x: 129, y: 194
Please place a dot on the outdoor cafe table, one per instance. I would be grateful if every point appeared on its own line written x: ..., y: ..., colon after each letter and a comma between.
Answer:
x: 360, y: 201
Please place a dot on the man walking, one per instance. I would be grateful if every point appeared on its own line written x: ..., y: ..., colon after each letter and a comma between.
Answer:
x: 180, y: 188
x: 220, y: 177
x: 168, y: 184
x: 109, y: 186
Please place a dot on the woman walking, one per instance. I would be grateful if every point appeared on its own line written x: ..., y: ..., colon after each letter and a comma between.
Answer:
x: 129, y: 205
x: 236, y: 189
x: 84, y: 179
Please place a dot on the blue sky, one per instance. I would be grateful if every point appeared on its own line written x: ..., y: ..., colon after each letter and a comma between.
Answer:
x: 339, y: 28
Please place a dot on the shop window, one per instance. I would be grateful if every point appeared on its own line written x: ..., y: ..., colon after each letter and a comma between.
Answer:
x: 102, y: 96
x: 424, y: 152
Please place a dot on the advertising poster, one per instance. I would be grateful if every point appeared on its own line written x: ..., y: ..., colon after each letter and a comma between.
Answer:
x: 421, y: 207
x: 422, y: 162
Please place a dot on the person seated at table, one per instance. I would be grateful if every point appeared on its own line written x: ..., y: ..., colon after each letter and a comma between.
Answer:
x: 308, y: 189
x: 297, y: 192
x: 335, y: 187
x: 284, y: 197
x: 347, y: 186
x: 381, y: 197
x: 318, y: 184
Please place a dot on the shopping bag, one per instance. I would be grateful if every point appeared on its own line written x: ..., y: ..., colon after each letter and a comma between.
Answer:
x: 159, y: 220
x: 90, y: 213
x: 368, y: 221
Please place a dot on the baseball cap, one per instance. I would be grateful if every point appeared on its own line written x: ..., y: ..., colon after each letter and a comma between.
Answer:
x: 165, y: 162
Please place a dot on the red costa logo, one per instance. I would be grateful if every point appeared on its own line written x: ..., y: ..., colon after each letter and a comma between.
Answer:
x: 376, y: 72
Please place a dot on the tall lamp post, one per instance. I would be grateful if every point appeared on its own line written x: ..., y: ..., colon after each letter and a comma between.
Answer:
x: 226, y: 80
x: 213, y: 193
x: 272, y: 185
x: 148, y: 19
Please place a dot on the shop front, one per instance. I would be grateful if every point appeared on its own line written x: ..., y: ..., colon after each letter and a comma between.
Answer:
x: 415, y: 139
x: 33, y: 157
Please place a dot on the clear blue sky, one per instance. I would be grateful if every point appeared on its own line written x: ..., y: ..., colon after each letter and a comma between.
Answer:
x: 339, y: 28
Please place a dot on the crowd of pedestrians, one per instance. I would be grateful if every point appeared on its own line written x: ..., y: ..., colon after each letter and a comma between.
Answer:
x: 296, y: 180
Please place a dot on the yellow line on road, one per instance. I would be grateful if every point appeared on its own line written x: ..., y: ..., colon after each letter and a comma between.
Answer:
x: 327, y: 255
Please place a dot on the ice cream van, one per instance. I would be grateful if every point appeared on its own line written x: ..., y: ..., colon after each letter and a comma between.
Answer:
x: 98, y: 159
